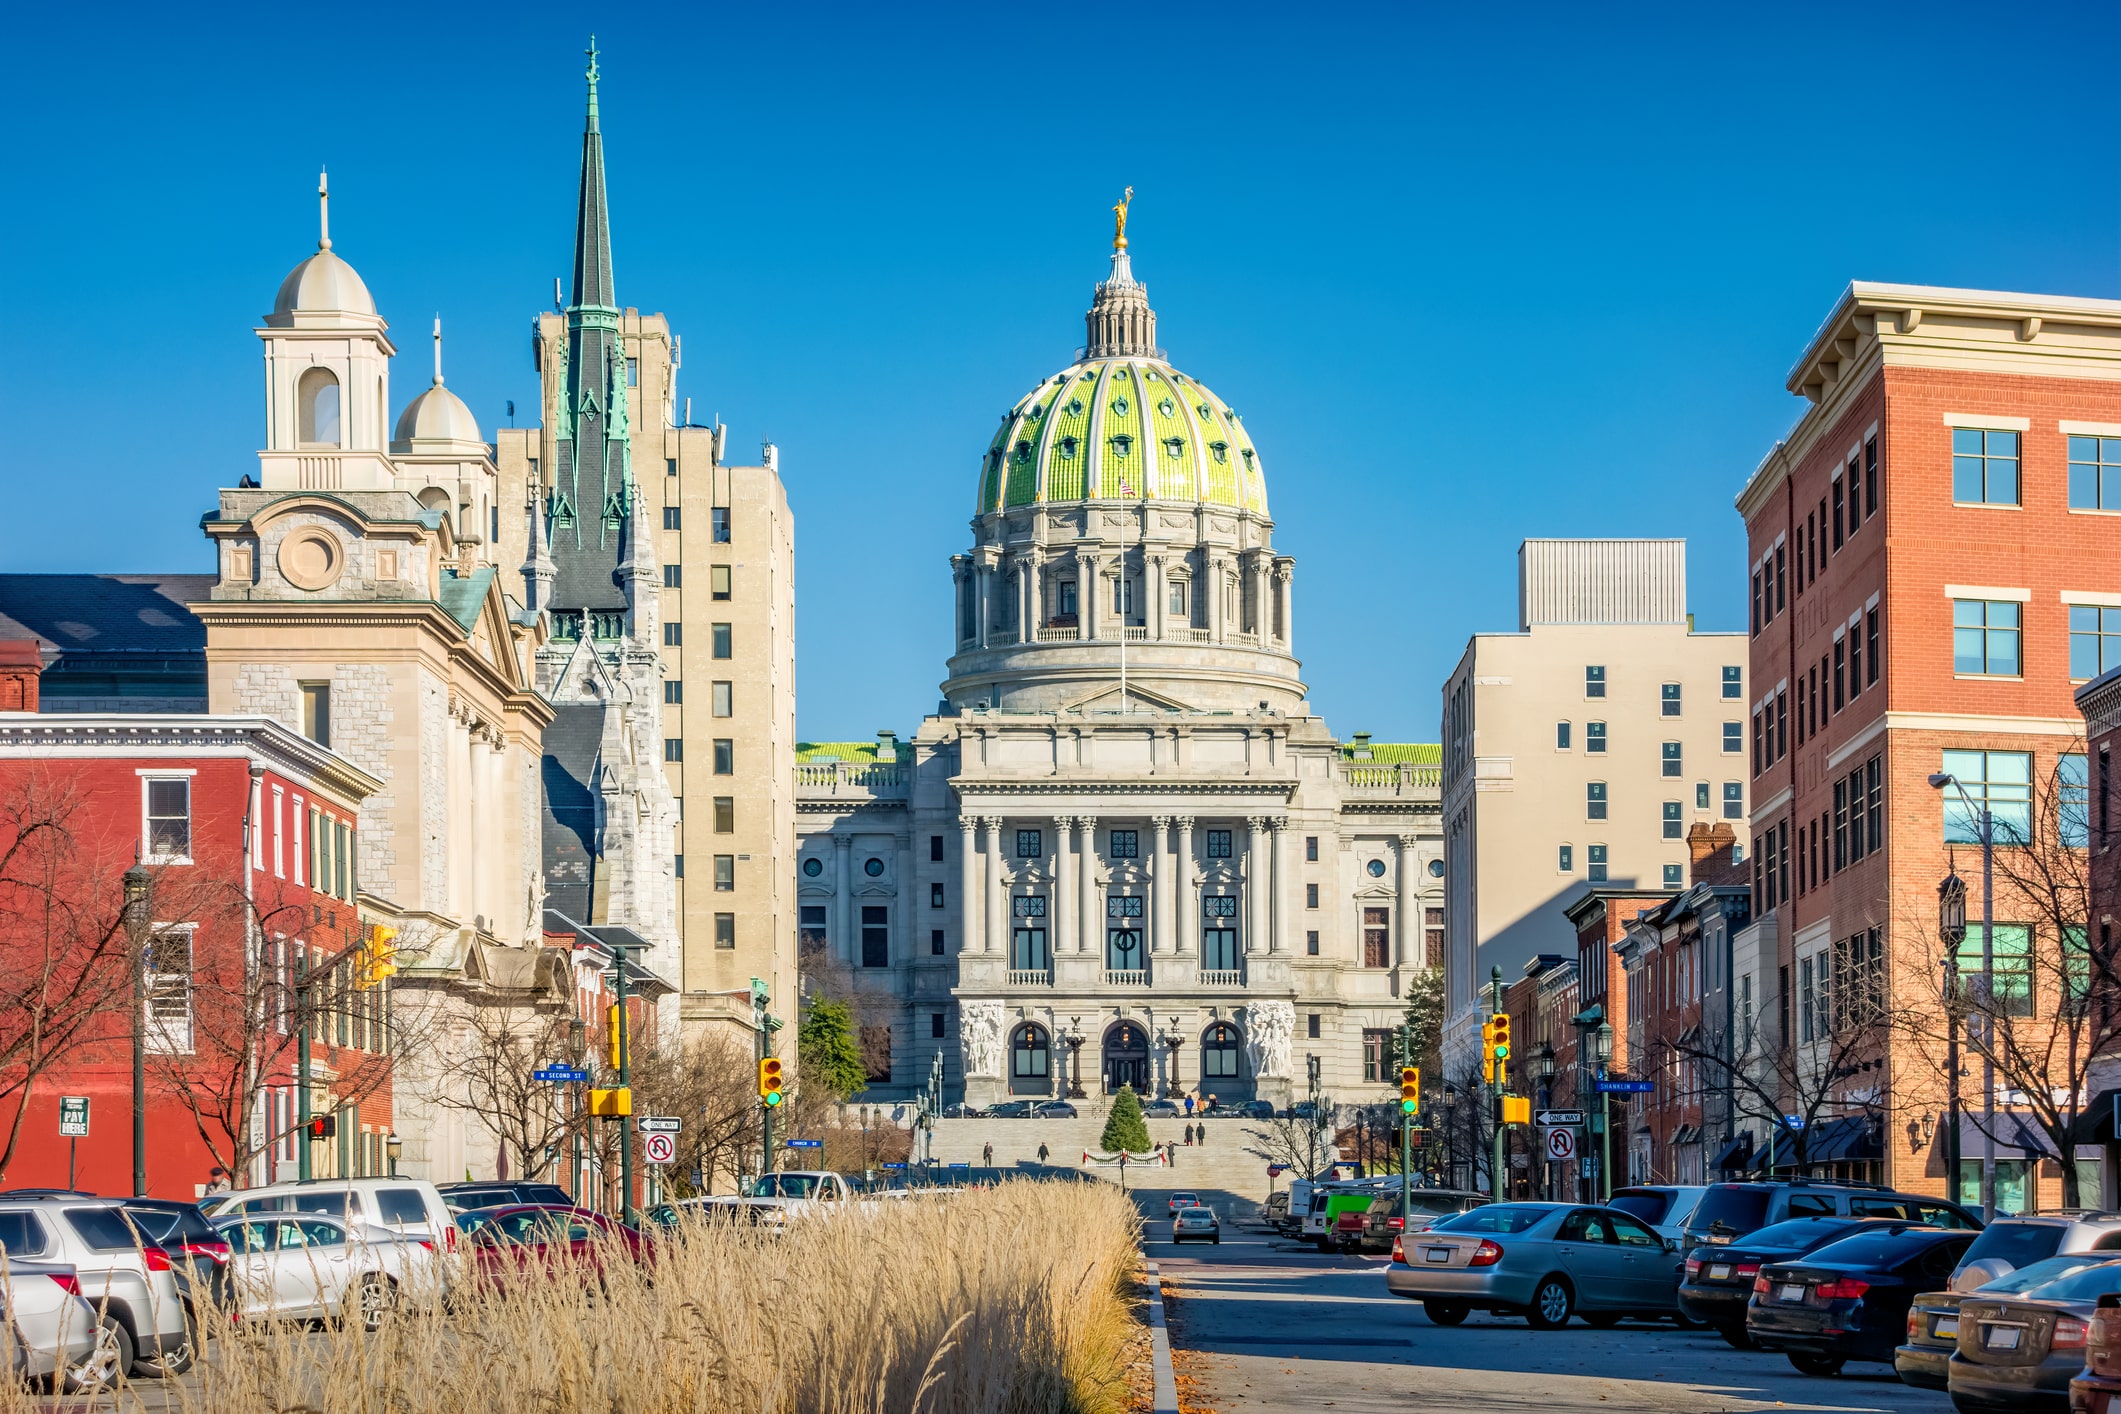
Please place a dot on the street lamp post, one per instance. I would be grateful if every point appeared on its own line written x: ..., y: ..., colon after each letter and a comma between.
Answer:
x: 393, y: 1146
x: 1604, y: 1043
x: 1450, y: 1141
x: 578, y: 1049
x: 1544, y: 1067
x: 1939, y: 781
x: 137, y: 884
x: 1075, y: 1057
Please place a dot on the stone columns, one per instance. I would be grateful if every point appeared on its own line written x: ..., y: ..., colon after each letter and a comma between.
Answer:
x: 1403, y: 906
x: 1284, y: 886
x: 907, y: 948
x: 1218, y: 598
x: 1090, y: 938
x: 983, y: 593
x: 968, y: 899
x: 997, y: 893
x: 1154, y: 572
x: 1182, y: 888
x: 1284, y: 575
x: 1258, y: 888
x: 843, y: 898
x: 1164, y: 882
x: 1061, y: 926
x: 1089, y: 588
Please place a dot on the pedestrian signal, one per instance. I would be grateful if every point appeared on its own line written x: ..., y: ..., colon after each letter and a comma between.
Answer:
x: 770, y: 1082
x: 324, y: 1127
x: 1409, y: 1089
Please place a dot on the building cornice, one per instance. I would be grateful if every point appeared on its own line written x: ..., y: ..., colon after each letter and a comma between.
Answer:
x: 68, y: 734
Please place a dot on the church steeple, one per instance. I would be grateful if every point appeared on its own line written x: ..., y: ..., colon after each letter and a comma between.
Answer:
x: 592, y: 227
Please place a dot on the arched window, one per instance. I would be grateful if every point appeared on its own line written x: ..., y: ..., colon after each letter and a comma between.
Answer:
x: 1219, y: 1052
x: 1029, y: 1061
x: 317, y: 404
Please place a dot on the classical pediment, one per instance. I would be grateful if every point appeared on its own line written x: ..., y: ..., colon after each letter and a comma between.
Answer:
x: 1105, y: 698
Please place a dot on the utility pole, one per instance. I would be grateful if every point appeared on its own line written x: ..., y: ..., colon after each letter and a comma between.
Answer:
x: 764, y: 1044
x: 1495, y: 1087
x: 1407, y: 1112
x: 303, y: 1159
x: 137, y: 884
x: 1311, y: 1134
x: 625, y: 1027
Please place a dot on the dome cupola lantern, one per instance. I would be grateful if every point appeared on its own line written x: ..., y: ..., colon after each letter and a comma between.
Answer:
x: 1120, y: 323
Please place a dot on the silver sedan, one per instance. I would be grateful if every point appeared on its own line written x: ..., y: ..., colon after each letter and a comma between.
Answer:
x: 1544, y: 1261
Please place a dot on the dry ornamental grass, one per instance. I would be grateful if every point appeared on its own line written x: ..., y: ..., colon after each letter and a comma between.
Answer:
x: 1010, y: 1301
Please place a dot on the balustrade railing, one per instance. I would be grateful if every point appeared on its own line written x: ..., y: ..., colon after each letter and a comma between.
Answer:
x: 1127, y: 977
x: 868, y: 777
x: 1234, y: 977
x: 1069, y: 634
x: 1030, y: 977
x: 1398, y: 778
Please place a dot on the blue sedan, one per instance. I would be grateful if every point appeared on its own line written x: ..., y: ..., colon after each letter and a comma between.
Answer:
x: 1544, y: 1261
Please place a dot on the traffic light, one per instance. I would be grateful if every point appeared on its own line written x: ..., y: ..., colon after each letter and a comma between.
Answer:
x: 1516, y: 1109
x: 1499, y: 1035
x: 611, y: 1035
x: 382, y: 956
x: 614, y: 1103
x: 770, y: 1082
x: 1409, y: 1089
x: 323, y: 1126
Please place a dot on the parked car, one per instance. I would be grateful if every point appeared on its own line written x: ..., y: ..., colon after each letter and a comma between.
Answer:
x: 134, y: 1284
x: 2010, y: 1243
x: 1182, y: 1199
x: 2020, y: 1351
x: 1849, y: 1299
x: 411, y: 1206
x: 1543, y: 1261
x: 1247, y: 1109
x: 1195, y: 1223
x: 463, y: 1197
x: 1162, y: 1109
x: 1053, y: 1109
x: 2094, y: 1388
x: 1933, y: 1321
x: 198, y: 1252
x: 1664, y: 1206
x: 306, y: 1266
x: 1716, y: 1284
x: 1275, y: 1210
x: 1728, y: 1211
x: 961, y: 1111
x: 552, y: 1239
x: 56, y: 1334
x: 1012, y: 1109
x: 1330, y: 1200
x: 1384, y: 1222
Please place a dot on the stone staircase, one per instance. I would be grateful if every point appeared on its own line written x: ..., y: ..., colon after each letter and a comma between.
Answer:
x: 1220, y: 1163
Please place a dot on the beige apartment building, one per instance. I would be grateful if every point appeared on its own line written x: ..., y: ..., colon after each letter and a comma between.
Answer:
x: 1578, y: 752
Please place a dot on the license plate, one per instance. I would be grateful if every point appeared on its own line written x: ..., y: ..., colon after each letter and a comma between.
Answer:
x: 1720, y: 1272
x: 1438, y: 1254
x: 1947, y: 1328
x: 1793, y: 1293
x: 2002, y: 1337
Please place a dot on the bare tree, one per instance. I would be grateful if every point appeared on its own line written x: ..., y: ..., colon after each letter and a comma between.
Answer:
x: 484, y: 1067
x: 1303, y: 1143
x: 710, y: 1083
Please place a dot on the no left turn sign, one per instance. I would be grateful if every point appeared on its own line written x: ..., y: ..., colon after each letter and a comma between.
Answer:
x: 1561, y: 1144
x: 659, y: 1148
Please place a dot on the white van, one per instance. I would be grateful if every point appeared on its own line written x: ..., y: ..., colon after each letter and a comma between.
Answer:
x: 411, y: 1206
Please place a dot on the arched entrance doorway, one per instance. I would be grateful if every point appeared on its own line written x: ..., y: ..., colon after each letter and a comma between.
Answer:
x: 1222, y: 1063
x: 1126, y: 1058
x: 1030, y: 1062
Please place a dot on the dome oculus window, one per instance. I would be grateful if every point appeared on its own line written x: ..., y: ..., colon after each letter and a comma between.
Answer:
x: 1121, y: 407
x: 1204, y: 412
x: 1075, y: 407
x: 813, y: 867
x: 1167, y: 408
x: 873, y: 868
x: 1376, y: 868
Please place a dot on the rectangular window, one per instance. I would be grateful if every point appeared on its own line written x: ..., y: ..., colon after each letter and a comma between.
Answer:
x: 167, y: 976
x: 1561, y: 736
x: 1177, y: 598
x: 2073, y: 800
x: 721, y: 641
x: 1310, y: 895
x: 1432, y: 935
x: 1841, y: 823
x: 2076, y: 968
x: 1870, y: 477
x: 876, y: 936
x: 673, y: 635
x: 1594, y: 801
x: 1701, y: 795
x: 673, y: 692
x: 673, y: 748
x: 1734, y: 684
x: 935, y: 942
x: 2013, y: 979
x: 1840, y: 485
x: 670, y: 466
x: 1674, y: 820
x: 1218, y: 844
x: 673, y: 518
x: 1984, y: 637
x: 1376, y: 1054
x: 1565, y: 858
x: 1674, y: 876
x: 724, y: 756
x: 1870, y: 645
x: 724, y: 704
x: 810, y: 930
x: 2095, y: 473
x: 2000, y: 782
x: 1806, y: 1000
x: 1377, y: 937
x: 1734, y: 738
x: 1598, y: 864
x: 1310, y: 849
x: 725, y: 873
x: 168, y: 823
x: 316, y: 712
x: 1030, y: 844
x: 1984, y: 467
x: 936, y: 1022
x: 725, y: 815
x: 1311, y: 942
x: 673, y: 576
x: 1781, y: 577
x: 1874, y: 801
x: 725, y: 929
x: 720, y: 517
x: 718, y: 581
x: 2094, y: 640
x: 1840, y: 671
x: 1855, y: 661
x: 1594, y: 737
x: 1756, y: 604
x: 1594, y: 682
x: 1669, y: 699
x: 1674, y: 761
x: 1734, y: 800
x: 1126, y: 844
x: 936, y: 896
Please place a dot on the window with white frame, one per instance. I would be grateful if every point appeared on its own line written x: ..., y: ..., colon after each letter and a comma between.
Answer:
x: 166, y: 828
x: 167, y: 975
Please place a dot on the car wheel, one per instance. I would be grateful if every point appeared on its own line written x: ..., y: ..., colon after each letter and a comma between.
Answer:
x: 1736, y: 1337
x: 374, y: 1301
x: 1687, y: 1323
x: 1446, y: 1313
x: 1823, y: 1365
x: 1552, y: 1304
x: 1601, y: 1320
x: 122, y: 1339
x: 1217, y: 1240
x: 170, y: 1363
x: 98, y: 1369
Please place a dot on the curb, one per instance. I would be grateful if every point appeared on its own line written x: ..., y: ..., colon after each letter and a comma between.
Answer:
x: 1166, y: 1401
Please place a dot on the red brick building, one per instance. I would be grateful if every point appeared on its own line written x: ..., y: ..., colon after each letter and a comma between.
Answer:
x: 248, y: 929
x: 1933, y: 561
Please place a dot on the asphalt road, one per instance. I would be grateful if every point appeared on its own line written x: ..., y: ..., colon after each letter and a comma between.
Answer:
x: 1267, y: 1324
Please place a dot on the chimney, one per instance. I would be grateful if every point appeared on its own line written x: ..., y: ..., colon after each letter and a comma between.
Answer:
x: 887, y: 746
x: 1710, y: 848
x: 1362, y: 746
x: 21, y: 665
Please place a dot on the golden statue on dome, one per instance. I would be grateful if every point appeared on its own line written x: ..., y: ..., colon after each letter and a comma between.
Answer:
x: 1119, y: 221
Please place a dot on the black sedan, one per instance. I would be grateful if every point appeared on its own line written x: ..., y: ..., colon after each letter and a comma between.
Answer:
x: 1849, y: 1299
x: 1718, y: 1280
x: 2021, y: 1352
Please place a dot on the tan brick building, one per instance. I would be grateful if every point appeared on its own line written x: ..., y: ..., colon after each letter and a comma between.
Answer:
x: 1930, y: 548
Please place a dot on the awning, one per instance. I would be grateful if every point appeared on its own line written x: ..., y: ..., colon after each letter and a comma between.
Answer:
x: 1685, y: 1134
x: 1848, y: 1139
x: 1735, y: 1153
x: 2095, y: 1125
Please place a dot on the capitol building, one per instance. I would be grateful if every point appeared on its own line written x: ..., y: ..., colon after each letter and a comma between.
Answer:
x: 1125, y: 850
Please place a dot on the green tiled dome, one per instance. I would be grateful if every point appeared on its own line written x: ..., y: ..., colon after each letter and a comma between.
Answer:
x: 1121, y: 423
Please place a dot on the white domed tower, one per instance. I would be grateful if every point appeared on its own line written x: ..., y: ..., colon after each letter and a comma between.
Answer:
x: 444, y: 463
x: 1123, y: 556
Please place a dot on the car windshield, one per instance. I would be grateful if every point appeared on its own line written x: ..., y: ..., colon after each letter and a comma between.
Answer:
x: 2086, y: 1284
x: 2043, y: 1272
x: 1874, y: 1249
x: 2019, y: 1243
x: 1496, y: 1217
x: 103, y: 1229
x: 1731, y: 1211
x: 1647, y: 1204
x: 1798, y: 1234
x: 785, y: 1185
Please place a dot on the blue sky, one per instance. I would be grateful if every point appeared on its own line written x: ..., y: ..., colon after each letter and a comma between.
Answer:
x: 1469, y: 277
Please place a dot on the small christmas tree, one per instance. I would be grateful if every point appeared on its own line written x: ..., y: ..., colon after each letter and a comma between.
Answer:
x: 1124, y: 1127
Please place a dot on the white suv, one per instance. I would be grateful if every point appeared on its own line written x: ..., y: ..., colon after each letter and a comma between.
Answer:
x: 411, y: 1206
x: 132, y: 1287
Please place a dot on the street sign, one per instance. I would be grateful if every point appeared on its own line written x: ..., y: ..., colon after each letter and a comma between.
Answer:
x: 658, y: 1124
x: 1561, y: 1144
x: 659, y: 1147
x: 1794, y: 1121
x: 805, y: 1144
x: 1554, y: 1117
x: 960, y: 1166
x: 1626, y: 1087
x: 1277, y: 1170
x: 894, y: 1166
x: 560, y: 1074
x: 73, y: 1116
